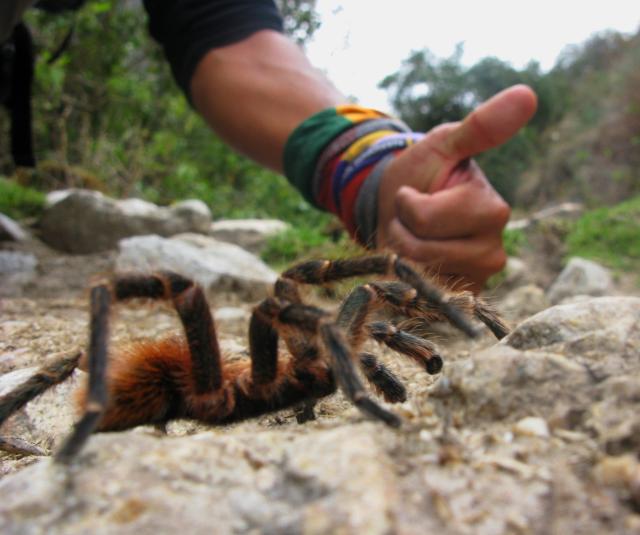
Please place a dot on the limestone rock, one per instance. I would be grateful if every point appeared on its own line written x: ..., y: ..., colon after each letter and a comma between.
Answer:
x: 580, y: 277
x: 532, y: 426
x: 334, y: 481
x: 551, y: 362
x: 515, y: 274
x: 565, y: 210
x: 16, y: 270
x: 506, y: 383
x: 250, y: 234
x: 602, y: 332
x: 523, y: 302
x: 217, y: 266
x: 47, y: 419
x: 82, y: 221
x: 10, y: 230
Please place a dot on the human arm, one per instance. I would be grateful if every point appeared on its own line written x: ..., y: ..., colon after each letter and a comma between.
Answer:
x: 429, y: 209
x: 255, y: 91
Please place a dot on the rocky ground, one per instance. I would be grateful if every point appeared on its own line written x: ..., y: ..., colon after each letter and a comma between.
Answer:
x: 539, y: 433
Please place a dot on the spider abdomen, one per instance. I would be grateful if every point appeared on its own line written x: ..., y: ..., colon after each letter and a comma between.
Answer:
x: 147, y: 383
x: 150, y: 382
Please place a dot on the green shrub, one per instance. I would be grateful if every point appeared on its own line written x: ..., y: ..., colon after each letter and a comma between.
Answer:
x: 513, y: 241
x: 306, y: 242
x: 610, y: 235
x: 291, y: 245
x: 18, y: 201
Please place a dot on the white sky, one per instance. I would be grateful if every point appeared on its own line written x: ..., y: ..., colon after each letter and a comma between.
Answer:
x: 362, y: 41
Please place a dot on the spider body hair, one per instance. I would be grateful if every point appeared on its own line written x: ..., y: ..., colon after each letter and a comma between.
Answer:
x: 149, y: 382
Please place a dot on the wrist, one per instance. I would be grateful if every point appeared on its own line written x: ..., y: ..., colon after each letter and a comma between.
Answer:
x: 336, y: 159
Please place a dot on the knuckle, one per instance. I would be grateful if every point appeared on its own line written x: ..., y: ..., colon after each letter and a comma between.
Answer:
x: 501, y: 213
x: 496, y: 261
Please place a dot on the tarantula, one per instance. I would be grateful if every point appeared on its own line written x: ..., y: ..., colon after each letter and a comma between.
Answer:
x: 175, y: 377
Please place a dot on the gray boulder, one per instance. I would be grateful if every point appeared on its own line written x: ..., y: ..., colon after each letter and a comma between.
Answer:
x: 265, y: 482
x: 10, y: 230
x: 16, y: 270
x: 46, y: 420
x: 554, y: 361
x: 516, y: 273
x: 250, y: 234
x: 580, y: 277
x: 565, y: 210
x: 82, y: 221
x: 217, y: 266
x: 524, y: 301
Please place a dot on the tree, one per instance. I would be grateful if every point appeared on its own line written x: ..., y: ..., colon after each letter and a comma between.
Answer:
x: 428, y: 91
x: 96, y: 110
x: 301, y: 19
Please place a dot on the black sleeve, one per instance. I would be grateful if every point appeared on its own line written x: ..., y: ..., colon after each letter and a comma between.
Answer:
x: 188, y: 29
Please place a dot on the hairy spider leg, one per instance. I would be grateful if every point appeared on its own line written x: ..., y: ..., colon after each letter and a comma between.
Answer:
x: 263, y: 345
x: 297, y: 325
x: 263, y: 335
x: 420, y: 350
x: 56, y: 370
x: 193, y: 309
x: 484, y: 311
x: 100, y: 300
x: 48, y: 375
x: 302, y: 345
x: 326, y: 271
x: 383, y: 380
x: 364, y: 300
x: 399, y: 295
x: 335, y: 346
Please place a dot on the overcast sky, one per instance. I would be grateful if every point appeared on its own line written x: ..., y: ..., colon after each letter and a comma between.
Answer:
x: 361, y: 41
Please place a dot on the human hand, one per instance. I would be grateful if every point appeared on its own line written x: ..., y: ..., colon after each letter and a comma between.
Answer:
x: 436, y: 206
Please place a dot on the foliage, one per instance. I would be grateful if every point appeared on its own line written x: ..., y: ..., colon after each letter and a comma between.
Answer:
x: 591, y: 151
x: 610, y: 235
x: 301, y: 19
x: 18, y: 201
x: 305, y: 242
x: 107, y: 114
x: 586, y: 88
x: 428, y: 91
x: 295, y: 243
x: 513, y: 241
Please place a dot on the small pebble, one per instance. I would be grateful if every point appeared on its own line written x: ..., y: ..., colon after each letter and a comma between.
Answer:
x: 622, y: 471
x: 532, y: 426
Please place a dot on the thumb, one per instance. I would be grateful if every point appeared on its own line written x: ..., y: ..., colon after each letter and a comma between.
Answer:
x: 492, y: 123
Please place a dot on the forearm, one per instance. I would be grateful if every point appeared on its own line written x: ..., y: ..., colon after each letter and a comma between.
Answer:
x: 254, y: 93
